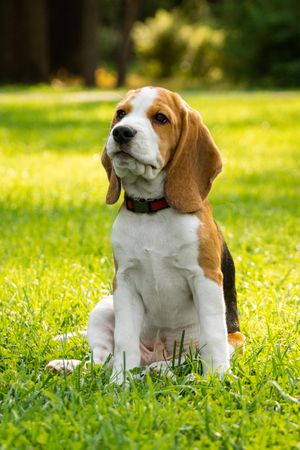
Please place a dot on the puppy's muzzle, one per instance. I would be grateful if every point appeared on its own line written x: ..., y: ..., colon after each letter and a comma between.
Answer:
x: 123, y: 134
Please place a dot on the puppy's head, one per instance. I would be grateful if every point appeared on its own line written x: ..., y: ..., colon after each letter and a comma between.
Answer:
x: 153, y: 129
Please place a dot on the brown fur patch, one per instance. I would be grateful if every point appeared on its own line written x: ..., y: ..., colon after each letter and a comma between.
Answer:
x: 194, y: 163
x: 169, y: 104
x: 114, y: 188
x: 237, y: 340
x: 210, y: 245
x: 124, y: 104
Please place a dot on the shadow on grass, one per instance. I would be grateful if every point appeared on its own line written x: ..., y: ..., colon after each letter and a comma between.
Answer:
x: 254, y: 194
x: 75, y: 126
x: 59, y: 127
x: 277, y: 189
x: 260, y: 191
x: 26, y: 231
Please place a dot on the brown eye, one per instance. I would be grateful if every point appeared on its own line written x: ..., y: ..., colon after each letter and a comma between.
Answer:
x: 121, y: 113
x: 160, y: 118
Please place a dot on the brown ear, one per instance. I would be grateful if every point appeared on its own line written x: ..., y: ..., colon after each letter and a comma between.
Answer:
x: 114, y: 188
x: 194, y: 165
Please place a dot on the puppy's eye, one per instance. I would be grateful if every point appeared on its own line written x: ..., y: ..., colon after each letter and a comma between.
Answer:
x: 160, y: 118
x: 121, y: 113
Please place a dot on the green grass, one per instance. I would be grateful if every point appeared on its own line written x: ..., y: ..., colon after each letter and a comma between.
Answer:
x: 56, y: 262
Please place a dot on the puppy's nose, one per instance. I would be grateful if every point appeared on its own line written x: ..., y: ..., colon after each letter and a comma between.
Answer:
x: 122, y: 134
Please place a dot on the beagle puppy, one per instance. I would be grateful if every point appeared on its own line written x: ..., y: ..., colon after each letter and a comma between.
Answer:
x: 174, y: 275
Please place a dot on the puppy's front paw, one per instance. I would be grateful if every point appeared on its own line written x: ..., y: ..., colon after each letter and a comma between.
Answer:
x: 160, y: 368
x: 118, y: 377
x: 216, y: 367
x: 63, y: 365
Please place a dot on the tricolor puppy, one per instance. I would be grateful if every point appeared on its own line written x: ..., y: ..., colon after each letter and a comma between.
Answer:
x: 174, y: 271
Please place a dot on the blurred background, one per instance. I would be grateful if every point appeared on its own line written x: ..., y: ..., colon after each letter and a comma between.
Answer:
x: 178, y: 43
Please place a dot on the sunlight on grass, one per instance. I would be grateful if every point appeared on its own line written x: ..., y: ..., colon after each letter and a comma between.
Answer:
x: 56, y: 262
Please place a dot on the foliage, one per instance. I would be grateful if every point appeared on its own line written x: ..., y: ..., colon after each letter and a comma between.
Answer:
x: 203, y: 55
x: 160, y: 42
x: 108, y: 44
x: 169, y: 46
x: 254, y: 42
x: 56, y: 262
x: 262, y: 41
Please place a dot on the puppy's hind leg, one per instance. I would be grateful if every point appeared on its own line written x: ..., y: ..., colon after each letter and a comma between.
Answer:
x: 100, y: 335
x: 101, y: 329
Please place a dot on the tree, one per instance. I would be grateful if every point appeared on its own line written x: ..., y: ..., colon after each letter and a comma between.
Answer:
x: 38, y: 37
x: 262, y: 45
x: 131, y: 10
x: 23, y: 41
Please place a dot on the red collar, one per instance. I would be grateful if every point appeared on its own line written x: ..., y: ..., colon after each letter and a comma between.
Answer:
x: 145, y: 206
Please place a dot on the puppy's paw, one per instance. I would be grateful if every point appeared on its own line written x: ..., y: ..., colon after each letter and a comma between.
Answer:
x: 218, y: 367
x: 126, y: 378
x: 101, y: 357
x: 160, y: 368
x: 63, y: 365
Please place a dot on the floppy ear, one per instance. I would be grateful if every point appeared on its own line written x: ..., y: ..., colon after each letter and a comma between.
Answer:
x: 114, y: 188
x: 194, y: 165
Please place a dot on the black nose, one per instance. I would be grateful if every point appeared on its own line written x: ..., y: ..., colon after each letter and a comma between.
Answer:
x: 122, y: 134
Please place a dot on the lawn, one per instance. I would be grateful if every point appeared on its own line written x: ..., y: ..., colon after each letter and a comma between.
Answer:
x: 56, y: 262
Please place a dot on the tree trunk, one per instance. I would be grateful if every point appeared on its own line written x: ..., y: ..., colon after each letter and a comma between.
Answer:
x: 89, y: 40
x: 7, y: 68
x: 38, y: 46
x: 65, y: 24
x: 131, y: 11
x: 23, y: 41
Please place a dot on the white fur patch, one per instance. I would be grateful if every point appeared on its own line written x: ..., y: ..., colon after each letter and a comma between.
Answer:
x: 142, y: 102
x: 162, y: 290
x: 142, y: 158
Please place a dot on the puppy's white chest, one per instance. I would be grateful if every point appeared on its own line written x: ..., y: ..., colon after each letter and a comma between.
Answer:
x: 158, y: 253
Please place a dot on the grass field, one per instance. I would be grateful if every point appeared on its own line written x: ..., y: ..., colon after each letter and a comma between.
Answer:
x: 56, y: 262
